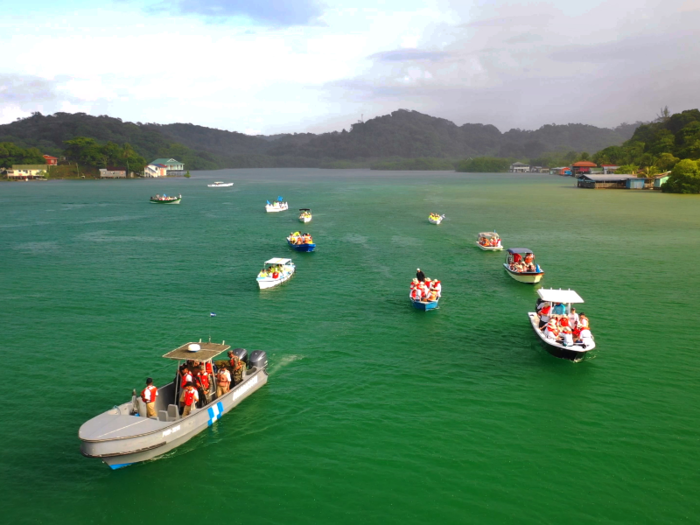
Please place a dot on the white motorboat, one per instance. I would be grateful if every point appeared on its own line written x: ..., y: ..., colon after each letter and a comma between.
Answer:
x: 434, y: 218
x: 275, y: 272
x: 489, y: 242
x: 276, y: 206
x: 520, y: 265
x: 220, y: 184
x: 305, y: 215
x: 573, y: 352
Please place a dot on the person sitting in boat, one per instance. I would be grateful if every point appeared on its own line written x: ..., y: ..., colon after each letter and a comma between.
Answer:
x: 545, y: 312
x: 566, y: 337
x: 307, y: 239
x: 437, y: 286
x: 432, y: 295
x: 551, y: 332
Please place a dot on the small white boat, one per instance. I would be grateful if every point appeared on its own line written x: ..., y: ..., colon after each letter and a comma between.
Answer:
x: 220, y: 184
x: 574, y: 352
x: 520, y: 265
x: 489, y: 242
x: 276, y: 206
x: 305, y: 215
x: 434, y: 218
x: 274, y: 272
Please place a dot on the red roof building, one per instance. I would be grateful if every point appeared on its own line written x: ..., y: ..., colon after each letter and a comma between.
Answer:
x: 51, y: 161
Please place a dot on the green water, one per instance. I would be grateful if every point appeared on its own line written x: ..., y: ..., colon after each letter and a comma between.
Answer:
x: 374, y: 412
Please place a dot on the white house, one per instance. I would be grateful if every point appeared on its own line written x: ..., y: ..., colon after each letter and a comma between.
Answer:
x: 519, y: 167
x: 163, y: 168
x: 112, y: 173
x: 27, y: 171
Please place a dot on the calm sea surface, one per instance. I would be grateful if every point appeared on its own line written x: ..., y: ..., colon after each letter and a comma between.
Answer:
x: 374, y: 412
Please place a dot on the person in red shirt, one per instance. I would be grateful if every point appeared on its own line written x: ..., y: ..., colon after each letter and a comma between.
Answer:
x: 188, y: 399
x: 149, y: 395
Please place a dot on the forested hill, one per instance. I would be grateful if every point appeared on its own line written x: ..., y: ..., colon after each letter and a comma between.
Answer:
x: 403, y: 134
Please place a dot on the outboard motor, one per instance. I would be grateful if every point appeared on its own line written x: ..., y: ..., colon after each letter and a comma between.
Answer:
x: 258, y: 359
x: 242, y: 354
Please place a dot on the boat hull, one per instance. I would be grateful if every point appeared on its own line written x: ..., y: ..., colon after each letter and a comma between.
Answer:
x: 227, y: 185
x: 275, y: 209
x: 176, y: 201
x: 576, y: 353
x: 424, y: 306
x: 524, y: 277
x: 490, y: 248
x: 304, y: 219
x: 434, y: 221
x: 302, y: 247
x: 168, y: 435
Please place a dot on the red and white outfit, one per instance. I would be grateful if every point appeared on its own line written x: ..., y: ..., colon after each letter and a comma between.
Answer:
x: 438, y: 288
x: 189, y: 398
x: 186, y: 377
x: 149, y: 395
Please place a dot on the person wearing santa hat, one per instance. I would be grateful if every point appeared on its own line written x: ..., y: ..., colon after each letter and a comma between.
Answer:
x: 437, y: 286
x: 551, y: 331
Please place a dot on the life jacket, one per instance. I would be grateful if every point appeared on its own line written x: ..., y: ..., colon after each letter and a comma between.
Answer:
x: 224, y: 378
x: 209, y: 368
x: 185, y: 379
x: 203, y: 380
x: 189, y: 396
x: 153, y: 391
x: 236, y: 363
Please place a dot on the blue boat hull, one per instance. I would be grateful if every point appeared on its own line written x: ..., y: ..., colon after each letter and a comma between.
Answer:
x: 424, y: 306
x: 302, y: 247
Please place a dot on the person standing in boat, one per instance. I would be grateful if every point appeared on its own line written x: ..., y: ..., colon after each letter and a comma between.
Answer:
x: 149, y: 395
x: 420, y: 275
x: 223, y: 382
x: 236, y: 367
x: 188, y: 399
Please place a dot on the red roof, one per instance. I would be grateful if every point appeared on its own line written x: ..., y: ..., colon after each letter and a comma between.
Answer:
x: 584, y: 164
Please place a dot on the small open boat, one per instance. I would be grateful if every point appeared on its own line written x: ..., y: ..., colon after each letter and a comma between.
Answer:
x: 125, y: 435
x: 165, y: 199
x: 489, y: 241
x: 434, y: 218
x: 274, y: 272
x: 220, y: 184
x: 276, y: 206
x: 301, y: 242
x: 520, y: 265
x: 580, y: 347
x: 423, y: 296
x: 305, y: 215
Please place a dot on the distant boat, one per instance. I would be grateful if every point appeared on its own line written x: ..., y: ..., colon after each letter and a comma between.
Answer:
x: 305, y: 215
x: 573, y: 352
x: 519, y: 264
x: 275, y: 272
x: 220, y: 185
x: 434, y: 218
x: 165, y: 199
x: 489, y: 242
x: 276, y: 206
x: 425, y: 297
x: 301, y: 242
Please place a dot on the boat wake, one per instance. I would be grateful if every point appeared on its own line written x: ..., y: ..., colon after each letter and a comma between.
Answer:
x: 284, y: 361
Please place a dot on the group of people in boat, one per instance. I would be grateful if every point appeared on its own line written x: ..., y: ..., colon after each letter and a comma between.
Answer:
x: 165, y: 198
x: 522, y: 264
x: 300, y: 238
x: 305, y: 215
x: 436, y: 216
x: 564, y: 327
x: 274, y: 271
x: 196, y: 385
x: 424, y: 288
x: 493, y: 241
x: 277, y: 204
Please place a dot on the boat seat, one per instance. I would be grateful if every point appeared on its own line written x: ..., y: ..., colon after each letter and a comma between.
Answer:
x: 173, y: 413
x: 162, y: 415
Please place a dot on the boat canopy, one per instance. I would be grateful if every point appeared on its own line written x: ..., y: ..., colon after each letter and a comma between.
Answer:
x: 277, y: 260
x: 559, y: 296
x: 304, y: 209
x: 206, y: 352
x: 519, y: 250
x: 489, y: 235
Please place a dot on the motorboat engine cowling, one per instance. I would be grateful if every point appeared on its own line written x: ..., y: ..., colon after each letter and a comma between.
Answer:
x: 258, y: 359
x: 242, y: 354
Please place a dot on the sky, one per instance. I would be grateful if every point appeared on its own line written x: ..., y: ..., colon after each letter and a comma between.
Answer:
x: 285, y: 66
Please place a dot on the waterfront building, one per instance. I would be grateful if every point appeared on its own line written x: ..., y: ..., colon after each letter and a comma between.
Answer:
x: 519, y: 167
x: 51, y: 161
x: 164, y: 168
x: 113, y: 173
x: 27, y: 171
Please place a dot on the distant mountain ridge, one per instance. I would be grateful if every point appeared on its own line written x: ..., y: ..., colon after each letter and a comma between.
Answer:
x: 401, y: 134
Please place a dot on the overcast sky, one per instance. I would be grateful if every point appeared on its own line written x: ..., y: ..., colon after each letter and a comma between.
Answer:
x: 277, y: 66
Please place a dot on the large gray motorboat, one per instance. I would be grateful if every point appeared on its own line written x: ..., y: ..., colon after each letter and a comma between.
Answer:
x: 124, y: 435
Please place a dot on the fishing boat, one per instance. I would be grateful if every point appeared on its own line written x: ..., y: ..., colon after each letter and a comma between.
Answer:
x: 573, y: 352
x: 124, y: 435
x: 301, y: 242
x: 489, y: 242
x: 220, y: 184
x: 434, y: 218
x: 305, y: 215
x: 520, y: 265
x: 274, y: 272
x: 166, y: 199
x: 277, y: 206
